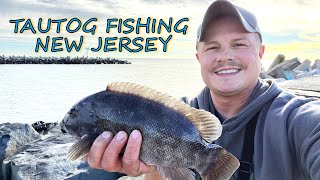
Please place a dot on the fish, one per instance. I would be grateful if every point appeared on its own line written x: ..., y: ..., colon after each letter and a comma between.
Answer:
x: 177, y: 138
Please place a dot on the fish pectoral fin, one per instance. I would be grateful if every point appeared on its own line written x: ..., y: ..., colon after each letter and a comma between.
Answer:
x: 172, y: 173
x: 80, y: 148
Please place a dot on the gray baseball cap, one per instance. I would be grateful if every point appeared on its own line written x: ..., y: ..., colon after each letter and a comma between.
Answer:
x: 226, y: 8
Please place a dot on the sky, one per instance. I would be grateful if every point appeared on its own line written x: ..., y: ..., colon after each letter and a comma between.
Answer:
x: 289, y: 27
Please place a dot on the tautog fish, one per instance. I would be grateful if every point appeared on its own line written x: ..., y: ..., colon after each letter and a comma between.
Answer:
x: 175, y: 135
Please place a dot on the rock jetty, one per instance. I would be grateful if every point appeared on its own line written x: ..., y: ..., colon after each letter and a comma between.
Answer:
x: 30, y: 154
x: 291, y: 69
x: 59, y: 60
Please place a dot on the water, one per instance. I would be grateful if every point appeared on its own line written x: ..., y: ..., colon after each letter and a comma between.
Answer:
x: 30, y: 93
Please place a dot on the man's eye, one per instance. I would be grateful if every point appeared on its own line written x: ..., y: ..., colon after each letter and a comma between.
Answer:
x: 239, y: 45
x: 213, y: 47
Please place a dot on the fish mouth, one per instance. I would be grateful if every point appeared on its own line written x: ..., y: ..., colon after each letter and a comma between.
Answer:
x: 63, y: 126
x: 68, y: 124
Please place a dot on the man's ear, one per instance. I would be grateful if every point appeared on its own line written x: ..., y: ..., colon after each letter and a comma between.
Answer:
x: 197, y: 55
x: 199, y: 46
x: 261, y: 51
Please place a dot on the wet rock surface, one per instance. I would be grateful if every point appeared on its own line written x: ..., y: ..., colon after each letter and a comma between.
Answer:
x: 13, y: 137
x: 44, y: 156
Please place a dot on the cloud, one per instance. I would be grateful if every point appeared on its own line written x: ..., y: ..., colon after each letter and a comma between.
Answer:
x: 302, y: 2
x: 59, y: 8
x: 301, y: 49
x: 285, y: 16
x: 310, y: 37
x: 177, y: 2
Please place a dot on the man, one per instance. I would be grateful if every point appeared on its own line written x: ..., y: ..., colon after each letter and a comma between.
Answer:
x: 275, y: 134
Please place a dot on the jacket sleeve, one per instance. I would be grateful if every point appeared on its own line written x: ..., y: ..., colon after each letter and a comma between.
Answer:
x: 304, y: 134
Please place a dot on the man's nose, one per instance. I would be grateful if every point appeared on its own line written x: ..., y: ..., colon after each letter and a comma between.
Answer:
x: 225, y: 54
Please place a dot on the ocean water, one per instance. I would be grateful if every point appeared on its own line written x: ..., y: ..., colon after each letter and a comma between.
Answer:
x: 30, y: 93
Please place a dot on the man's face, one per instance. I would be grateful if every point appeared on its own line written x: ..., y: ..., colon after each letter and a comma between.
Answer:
x: 229, y: 57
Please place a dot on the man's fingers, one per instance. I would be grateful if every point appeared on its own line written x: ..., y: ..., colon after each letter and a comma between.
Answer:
x: 97, y: 149
x: 111, y: 161
x: 105, y: 151
x: 130, y: 160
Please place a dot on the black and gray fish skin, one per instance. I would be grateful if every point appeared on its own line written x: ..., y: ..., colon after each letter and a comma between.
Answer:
x: 173, y: 132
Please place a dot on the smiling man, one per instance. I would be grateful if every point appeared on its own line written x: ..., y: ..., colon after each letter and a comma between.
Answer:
x: 230, y: 61
x: 274, y: 134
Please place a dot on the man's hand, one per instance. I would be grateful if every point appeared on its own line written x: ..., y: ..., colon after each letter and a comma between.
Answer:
x: 105, y: 150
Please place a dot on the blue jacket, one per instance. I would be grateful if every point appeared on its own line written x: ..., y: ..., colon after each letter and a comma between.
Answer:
x: 287, y: 136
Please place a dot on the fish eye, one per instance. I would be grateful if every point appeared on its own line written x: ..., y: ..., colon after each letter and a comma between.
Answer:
x: 72, y: 113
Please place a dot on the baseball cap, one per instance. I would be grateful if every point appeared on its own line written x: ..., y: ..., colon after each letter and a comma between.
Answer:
x: 226, y: 8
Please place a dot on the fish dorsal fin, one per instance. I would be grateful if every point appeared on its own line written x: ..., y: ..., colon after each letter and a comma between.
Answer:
x: 207, y: 124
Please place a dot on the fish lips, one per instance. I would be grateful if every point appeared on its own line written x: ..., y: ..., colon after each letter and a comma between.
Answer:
x: 69, y: 125
x: 63, y: 127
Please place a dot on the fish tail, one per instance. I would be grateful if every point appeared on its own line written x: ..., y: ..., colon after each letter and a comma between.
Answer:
x: 223, y: 165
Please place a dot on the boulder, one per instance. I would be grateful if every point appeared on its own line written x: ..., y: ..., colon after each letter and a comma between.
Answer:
x: 316, y: 64
x: 46, y: 159
x: 288, y: 74
x: 304, y: 66
x: 279, y: 59
x: 297, y: 73
x: 280, y: 80
x: 265, y: 76
x: 309, y: 73
x: 42, y: 159
x: 43, y: 127
x: 277, y: 71
x: 13, y: 137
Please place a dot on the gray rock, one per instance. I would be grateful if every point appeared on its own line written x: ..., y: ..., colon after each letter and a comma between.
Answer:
x: 46, y: 159
x: 316, y: 64
x: 304, y: 66
x: 280, y: 80
x: 54, y: 131
x: 288, y: 74
x: 279, y: 59
x: 309, y: 73
x: 277, y: 71
x: 43, y: 127
x: 296, y: 74
x: 13, y: 137
x: 265, y: 76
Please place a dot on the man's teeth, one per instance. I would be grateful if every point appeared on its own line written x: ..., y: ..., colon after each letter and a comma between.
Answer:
x: 228, y: 71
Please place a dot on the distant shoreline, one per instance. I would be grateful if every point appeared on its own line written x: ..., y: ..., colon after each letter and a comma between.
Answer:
x: 60, y: 60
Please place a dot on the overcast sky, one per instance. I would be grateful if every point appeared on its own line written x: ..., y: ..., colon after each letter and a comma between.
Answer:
x: 290, y: 27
